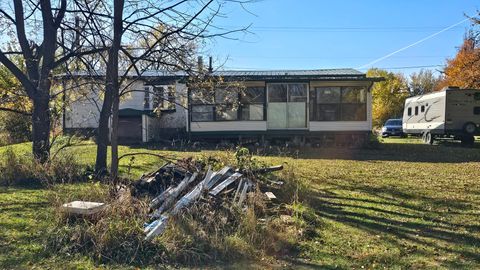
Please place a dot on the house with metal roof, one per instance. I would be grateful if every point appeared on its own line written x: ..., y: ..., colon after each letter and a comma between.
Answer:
x: 289, y: 104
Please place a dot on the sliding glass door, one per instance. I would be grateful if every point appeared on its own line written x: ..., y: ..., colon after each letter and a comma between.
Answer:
x: 287, y: 105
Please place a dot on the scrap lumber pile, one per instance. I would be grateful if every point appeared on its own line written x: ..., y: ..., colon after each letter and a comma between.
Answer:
x: 177, y: 186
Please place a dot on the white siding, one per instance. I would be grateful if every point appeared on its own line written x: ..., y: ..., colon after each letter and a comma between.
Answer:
x: 83, y: 112
x: 136, y: 98
x: 228, y: 126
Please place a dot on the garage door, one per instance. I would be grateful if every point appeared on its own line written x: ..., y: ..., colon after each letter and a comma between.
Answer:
x: 130, y: 129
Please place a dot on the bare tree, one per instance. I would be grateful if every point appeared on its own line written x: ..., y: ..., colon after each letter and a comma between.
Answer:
x: 43, y: 52
x: 154, y: 34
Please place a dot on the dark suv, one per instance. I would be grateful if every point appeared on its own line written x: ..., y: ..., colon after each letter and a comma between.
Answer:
x: 393, y: 127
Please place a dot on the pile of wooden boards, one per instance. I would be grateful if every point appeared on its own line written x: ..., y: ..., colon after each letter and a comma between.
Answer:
x: 175, y: 187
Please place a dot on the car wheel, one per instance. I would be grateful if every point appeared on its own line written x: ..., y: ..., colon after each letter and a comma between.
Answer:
x: 469, y: 128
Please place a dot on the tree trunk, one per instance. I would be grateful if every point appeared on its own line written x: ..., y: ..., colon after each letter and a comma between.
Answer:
x: 41, y: 128
x: 111, y: 98
x: 113, y: 62
x: 103, y: 132
x: 115, y: 108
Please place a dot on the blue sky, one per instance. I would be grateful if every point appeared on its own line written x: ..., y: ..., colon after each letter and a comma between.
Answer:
x: 311, y: 34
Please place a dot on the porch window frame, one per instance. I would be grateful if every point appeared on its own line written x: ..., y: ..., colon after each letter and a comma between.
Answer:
x: 240, y: 105
x: 339, y: 117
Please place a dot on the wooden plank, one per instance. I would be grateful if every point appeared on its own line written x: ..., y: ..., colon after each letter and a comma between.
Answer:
x: 225, y: 172
x: 243, y: 195
x: 237, y: 193
x: 159, y: 228
x: 170, y: 200
x: 225, y: 184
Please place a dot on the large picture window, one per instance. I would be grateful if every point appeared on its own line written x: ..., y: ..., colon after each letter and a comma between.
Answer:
x: 338, y: 104
x: 228, y: 105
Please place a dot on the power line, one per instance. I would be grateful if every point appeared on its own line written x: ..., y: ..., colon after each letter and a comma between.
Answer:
x: 388, y: 68
x: 408, y: 67
x: 343, y: 29
x: 414, y: 44
x: 332, y: 57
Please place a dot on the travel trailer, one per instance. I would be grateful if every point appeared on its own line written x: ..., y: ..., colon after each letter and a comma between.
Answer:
x: 451, y: 113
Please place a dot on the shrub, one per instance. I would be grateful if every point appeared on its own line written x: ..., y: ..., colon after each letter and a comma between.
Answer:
x: 24, y: 170
x: 17, y: 127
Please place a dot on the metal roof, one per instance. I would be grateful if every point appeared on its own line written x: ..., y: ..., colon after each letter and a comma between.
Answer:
x: 287, y: 74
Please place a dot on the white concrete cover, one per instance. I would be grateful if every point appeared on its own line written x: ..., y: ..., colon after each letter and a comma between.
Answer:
x: 83, y: 207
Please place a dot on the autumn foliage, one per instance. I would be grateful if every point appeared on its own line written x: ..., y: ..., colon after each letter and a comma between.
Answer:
x: 464, y: 70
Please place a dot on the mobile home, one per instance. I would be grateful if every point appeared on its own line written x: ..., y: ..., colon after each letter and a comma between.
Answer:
x: 450, y: 113
x: 300, y: 104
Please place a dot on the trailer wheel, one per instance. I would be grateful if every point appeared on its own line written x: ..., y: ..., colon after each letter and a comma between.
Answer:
x: 424, y: 139
x: 469, y: 128
x: 429, y: 139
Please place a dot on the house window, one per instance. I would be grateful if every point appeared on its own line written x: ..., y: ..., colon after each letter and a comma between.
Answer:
x: 252, y: 104
x: 164, y: 98
x: 338, y: 104
x: 409, y: 111
x: 157, y: 96
x: 169, y: 100
x: 202, y: 113
x: 229, y: 104
x: 226, y: 104
x: 146, y: 101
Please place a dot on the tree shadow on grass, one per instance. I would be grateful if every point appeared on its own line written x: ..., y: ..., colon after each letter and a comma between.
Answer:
x: 416, y: 219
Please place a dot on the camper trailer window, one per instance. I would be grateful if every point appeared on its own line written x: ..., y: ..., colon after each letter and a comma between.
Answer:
x: 416, y: 110
x: 476, y: 110
x: 422, y: 109
x: 409, y: 111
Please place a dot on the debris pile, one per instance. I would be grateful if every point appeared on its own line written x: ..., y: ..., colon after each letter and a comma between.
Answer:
x: 176, y: 186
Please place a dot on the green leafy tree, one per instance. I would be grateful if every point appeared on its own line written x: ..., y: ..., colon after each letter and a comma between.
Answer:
x: 388, y: 96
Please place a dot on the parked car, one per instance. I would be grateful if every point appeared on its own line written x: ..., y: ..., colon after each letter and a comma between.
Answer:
x: 393, y: 127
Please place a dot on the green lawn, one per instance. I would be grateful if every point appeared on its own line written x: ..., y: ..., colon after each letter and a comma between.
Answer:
x: 402, y: 205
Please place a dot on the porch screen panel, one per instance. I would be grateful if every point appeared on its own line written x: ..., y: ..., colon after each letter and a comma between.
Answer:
x: 328, y: 103
x: 277, y: 106
x: 202, y: 105
x: 277, y: 116
x: 339, y: 104
x: 252, y: 104
x: 297, y: 106
x: 226, y: 101
x: 354, y: 104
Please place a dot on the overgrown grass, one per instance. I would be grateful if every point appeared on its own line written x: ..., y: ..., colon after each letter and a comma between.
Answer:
x: 402, y: 205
